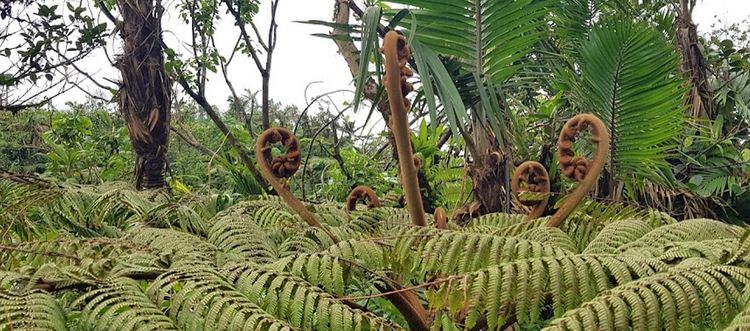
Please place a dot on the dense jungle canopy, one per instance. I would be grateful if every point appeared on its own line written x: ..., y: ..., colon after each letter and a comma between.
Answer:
x: 524, y: 165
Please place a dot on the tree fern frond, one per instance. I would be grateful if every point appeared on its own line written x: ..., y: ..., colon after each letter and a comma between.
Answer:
x: 617, y: 234
x: 691, y: 230
x: 184, y: 248
x: 716, y: 251
x: 300, y: 244
x: 238, y: 236
x: 175, y: 215
x: 33, y: 310
x: 679, y: 299
x: 608, y: 212
x: 303, y: 305
x: 66, y: 251
x: 202, y: 299
x: 497, y: 220
x: 326, y: 271
x: 120, y: 304
x: 523, y: 286
x: 274, y: 218
x: 551, y: 236
x: 428, y: 250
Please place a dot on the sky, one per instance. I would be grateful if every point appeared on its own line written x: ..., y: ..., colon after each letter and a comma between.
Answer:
x: 301, y: 59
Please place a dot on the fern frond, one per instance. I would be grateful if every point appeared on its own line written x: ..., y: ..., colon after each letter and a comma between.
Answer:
x: 185, y: 249
x: 120, y: 304
x: 523, y: 286
x: 33, y: 310
x: 173, y: 215
x: 680, y: 299
x: 428, y: 250
x: 497, y: 220
x: 691, y: 230
x: 202, y: 299
x: 238, y: 236
x: 550, y: 236
x: 304, y: 306
x: 617, y: 234
x: 717, y: 251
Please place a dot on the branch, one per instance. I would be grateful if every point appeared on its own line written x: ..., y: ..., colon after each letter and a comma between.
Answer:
x: 190, y: 140
x: 201, y: 100
x: 108, y: 13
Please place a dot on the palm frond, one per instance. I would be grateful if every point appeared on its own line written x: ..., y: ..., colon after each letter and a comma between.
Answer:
x: 629, y: 79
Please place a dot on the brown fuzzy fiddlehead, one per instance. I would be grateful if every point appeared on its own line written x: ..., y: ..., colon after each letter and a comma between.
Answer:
x: 537, y: 181
x: 277, y: 169
x: 396, y: 52
x: 586, y: 172
x: 441, y: 218
x: 362, y: 193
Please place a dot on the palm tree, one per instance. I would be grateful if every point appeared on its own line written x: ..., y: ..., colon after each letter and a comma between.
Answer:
x: 626, y: 73
x: 145, y: 96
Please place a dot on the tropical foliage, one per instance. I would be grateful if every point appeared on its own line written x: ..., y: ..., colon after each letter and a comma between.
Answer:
x: 225, y: 240
x: 111, y: 258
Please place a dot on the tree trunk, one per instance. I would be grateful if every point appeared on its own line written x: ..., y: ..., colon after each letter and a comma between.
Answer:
x: 266, y: 105
x: 145, y: 96
x: 487, y: 172
x: 700, y: 99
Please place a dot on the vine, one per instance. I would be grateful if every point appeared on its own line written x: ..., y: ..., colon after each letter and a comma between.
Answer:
x: 277, y: 169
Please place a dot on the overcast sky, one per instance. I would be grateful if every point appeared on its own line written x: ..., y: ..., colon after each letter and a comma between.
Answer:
x: 301, y: 59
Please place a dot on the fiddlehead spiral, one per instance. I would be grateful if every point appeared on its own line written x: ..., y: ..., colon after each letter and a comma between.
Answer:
x: 586, y: 172
x: 276, y: 170
x: 362, y: 193
x: 441, y: 218
x: 397, y: 53
x: 537, y: 181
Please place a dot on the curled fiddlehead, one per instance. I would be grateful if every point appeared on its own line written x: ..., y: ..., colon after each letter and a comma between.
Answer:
x: 537, y: 182
x: 362, y: 193
x: 441, y: 218
x: 586, y: 172
x: 397, y: 53
x: 277, y: 169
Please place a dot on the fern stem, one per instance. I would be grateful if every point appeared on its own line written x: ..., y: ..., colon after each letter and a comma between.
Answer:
x: 584, y: 171
x: 364, y: 193
x: 396, y: 53
x: 282, y: 167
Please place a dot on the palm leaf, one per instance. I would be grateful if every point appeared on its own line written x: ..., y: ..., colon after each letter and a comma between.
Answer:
x: 507, y: 32
x: 629, y: 80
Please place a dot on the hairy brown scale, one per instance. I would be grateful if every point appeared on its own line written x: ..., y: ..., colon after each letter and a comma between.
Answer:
x: 586, y: 172
x: 362, y: 193
x: 396, y: 52
x: 441, y: 218
x: 286, y: 165
x: 536, y: 178
x: 277, y: 169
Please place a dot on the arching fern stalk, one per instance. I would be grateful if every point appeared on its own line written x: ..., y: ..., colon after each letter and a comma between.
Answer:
x: 277, y: 169
x: 397, y: 53
x: 532, y: 180
x: 364, y: 193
